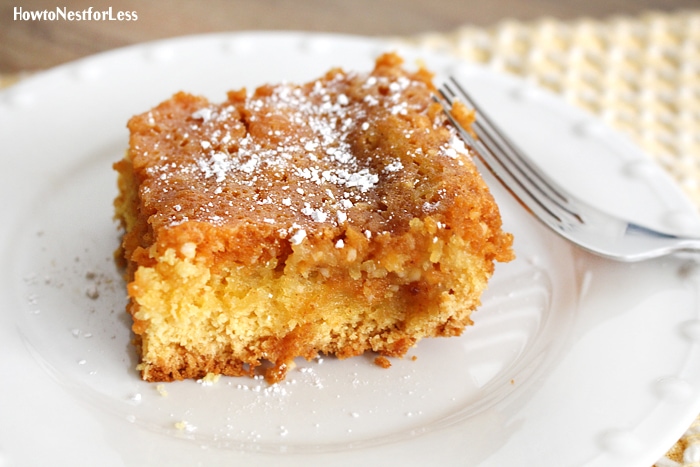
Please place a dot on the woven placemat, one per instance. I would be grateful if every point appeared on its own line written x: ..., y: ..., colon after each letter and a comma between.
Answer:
x: 8, y: 79
x: 641, y: 75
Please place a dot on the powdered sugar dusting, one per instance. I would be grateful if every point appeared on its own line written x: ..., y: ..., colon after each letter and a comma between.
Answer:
x: 290, y: 153
x: 217, y: 165
x: 298, y: 237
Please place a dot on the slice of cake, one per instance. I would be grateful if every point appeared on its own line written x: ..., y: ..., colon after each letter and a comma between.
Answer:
x: 338, y: 216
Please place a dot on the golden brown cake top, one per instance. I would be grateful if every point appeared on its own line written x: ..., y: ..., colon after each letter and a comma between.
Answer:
x: 362, y: 151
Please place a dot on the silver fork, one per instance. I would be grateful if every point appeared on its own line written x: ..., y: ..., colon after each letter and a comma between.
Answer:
x: 573, y: 219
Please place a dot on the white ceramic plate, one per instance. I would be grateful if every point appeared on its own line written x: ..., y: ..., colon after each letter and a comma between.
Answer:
x: 573, y: 360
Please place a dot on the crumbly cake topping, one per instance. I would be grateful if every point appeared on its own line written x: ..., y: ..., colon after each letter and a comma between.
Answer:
x: 300, y: 159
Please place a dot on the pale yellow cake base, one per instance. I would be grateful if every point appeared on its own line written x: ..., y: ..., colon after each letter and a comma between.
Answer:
x: 232, y: 320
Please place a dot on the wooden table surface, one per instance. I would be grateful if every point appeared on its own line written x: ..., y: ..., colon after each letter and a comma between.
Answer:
x: 35, y: 45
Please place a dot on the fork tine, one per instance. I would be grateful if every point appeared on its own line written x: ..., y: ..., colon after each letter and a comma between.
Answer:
x: 509, y: 150
x: 585, y: 225
x: 527, y: 183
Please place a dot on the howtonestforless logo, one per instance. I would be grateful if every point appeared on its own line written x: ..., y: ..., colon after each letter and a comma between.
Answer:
x: 64, y: 14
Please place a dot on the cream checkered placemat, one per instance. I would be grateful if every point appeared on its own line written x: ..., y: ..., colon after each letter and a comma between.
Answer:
x: 8, y: 80
x: 640, y: 74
